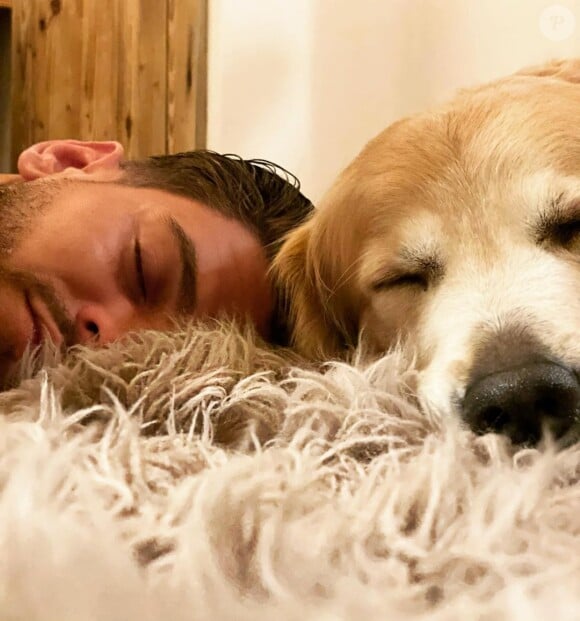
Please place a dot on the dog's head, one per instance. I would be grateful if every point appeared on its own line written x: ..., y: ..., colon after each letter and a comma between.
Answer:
x: 457, y: 233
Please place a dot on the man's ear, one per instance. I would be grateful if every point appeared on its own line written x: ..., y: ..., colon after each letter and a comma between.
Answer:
x: 565, y: 69
x: 71, y: 158
x: 318, y: 327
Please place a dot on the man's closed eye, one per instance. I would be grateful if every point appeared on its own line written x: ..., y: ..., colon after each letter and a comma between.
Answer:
x: 141, y: 280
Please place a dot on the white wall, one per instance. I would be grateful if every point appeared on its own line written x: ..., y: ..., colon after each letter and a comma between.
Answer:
x: 306, y: 83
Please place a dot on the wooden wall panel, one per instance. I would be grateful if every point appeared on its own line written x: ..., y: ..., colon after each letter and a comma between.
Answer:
x: 58, y: 70
x: 25, y: 76
x: 130, y: 70
x: 142, y: 76
x: 5, y: 70
x: 102, y: 52
x: 187, y: 75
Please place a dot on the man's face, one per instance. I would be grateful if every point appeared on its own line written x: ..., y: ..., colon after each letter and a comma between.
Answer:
x: 100, y: 259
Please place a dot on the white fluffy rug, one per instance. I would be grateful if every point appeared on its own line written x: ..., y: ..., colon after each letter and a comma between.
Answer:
x: 199, y: 476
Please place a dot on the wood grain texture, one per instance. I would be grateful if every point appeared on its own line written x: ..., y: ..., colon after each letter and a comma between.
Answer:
x: 129, y: 70
x: 102, y: 56
x: 187, y: 75
x: 142, y: 112
x: 24, y: 63
x: 5, y: 79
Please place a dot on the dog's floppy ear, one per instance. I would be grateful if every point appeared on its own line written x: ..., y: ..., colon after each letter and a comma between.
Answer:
x: 564, y: 69
x: 318, y: 324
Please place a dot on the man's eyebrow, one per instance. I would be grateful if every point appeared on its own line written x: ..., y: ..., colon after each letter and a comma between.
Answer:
x: 186, y: 298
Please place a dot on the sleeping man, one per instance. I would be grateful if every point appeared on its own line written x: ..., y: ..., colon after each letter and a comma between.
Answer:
x: 93, y: 246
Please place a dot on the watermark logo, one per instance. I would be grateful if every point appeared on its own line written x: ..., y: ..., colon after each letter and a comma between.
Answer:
x: 557, y: 22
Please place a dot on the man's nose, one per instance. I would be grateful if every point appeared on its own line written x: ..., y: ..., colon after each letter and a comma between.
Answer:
x: 99, y: 324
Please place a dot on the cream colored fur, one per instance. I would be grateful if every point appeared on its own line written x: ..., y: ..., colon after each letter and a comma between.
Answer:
x: 451, y: 198
x: 201, y: 476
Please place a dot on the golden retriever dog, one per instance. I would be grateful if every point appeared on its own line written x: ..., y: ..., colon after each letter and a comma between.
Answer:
x: 456, y: 234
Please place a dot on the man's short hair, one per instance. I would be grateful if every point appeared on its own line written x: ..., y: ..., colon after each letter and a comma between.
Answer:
x: 262, y: 195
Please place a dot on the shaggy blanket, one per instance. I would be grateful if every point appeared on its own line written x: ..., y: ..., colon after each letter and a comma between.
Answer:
x: 203, y: 476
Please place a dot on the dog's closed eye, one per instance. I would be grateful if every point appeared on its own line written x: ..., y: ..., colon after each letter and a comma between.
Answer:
x: 560, y: 224
x: 567, y: 234
x: 416, y: 272
x: 397, y: 281
x: 561, y: 229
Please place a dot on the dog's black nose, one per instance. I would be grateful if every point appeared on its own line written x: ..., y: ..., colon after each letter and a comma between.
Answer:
x: 521, y: 402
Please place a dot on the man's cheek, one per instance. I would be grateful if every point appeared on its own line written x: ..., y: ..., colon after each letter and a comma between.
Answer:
x: 15, y: 322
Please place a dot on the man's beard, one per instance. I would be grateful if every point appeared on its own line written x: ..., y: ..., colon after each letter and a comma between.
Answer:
x: 16, y: 283
x: 20, y: 205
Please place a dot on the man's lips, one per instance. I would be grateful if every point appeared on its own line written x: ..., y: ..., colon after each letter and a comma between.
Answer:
x: 36, y: 334
x: 43, y: 323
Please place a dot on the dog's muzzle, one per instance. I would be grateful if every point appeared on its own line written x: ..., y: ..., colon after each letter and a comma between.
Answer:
x: 517, y: 390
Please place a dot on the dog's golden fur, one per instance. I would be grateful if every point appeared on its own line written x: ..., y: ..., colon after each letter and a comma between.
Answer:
x: 445, y: 229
